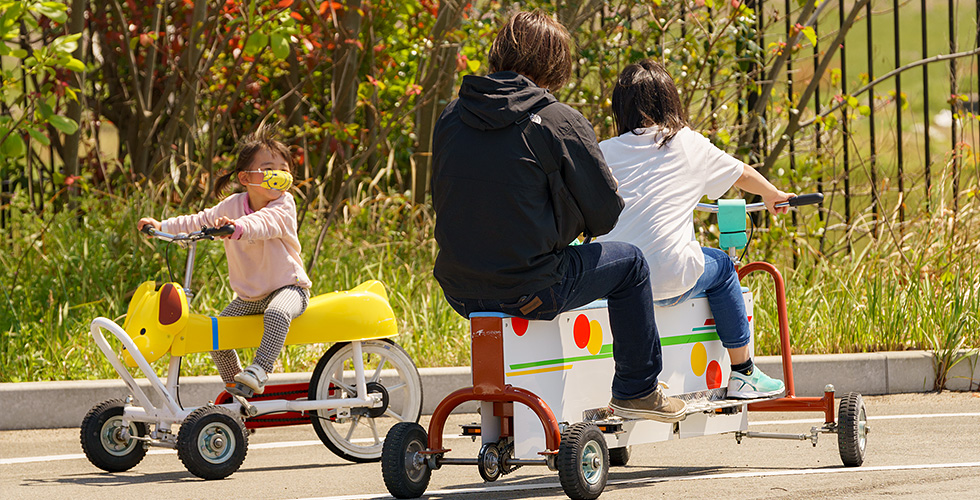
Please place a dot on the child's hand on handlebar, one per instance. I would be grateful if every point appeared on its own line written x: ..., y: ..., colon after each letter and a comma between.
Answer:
x: 773, y: 198
x: 148, y: 221
x: 224, y: 221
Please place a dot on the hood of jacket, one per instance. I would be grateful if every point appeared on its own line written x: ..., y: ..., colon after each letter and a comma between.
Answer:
x: 498, y: 100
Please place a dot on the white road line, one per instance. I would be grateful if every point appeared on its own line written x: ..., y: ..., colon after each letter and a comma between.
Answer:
x: 287, y: 444
x: 732, y: 475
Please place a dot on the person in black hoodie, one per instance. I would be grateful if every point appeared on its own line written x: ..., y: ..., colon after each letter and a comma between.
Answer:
x: 517, y: 176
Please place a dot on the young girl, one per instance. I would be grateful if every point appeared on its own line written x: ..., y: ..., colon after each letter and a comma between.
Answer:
x: 264, y: 265
x: 664, y: 168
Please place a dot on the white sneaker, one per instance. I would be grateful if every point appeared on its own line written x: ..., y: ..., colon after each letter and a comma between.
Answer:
x: 757, y: 385
x: 254, y: 377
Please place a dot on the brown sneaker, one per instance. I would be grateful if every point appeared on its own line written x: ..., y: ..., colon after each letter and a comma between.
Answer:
x: 655, y: 406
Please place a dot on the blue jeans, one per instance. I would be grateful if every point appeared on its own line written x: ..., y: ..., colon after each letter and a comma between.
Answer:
x: 720, y: 283
x: 613, y: 270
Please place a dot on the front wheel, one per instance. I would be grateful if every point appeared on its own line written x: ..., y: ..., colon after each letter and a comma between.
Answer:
x: 852, y: 429
x: 389, y: 372
x: 583, y: 461
x: 403, y: 465
x: 104, y: 442
x: 619, y: 457
x: 212, y: 442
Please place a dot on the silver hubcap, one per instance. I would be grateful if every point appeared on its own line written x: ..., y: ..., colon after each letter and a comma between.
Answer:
x: 414, y: 461
x: 591, y: 462
x: 112, y: 437
x: 216, y: 442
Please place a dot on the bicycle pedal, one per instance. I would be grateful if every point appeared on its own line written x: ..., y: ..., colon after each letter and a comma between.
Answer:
x: 247, y: 408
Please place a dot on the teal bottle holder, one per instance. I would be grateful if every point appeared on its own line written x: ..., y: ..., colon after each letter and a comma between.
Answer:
x: 731, y: 224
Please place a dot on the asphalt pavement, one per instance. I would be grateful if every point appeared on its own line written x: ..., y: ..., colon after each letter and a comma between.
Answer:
x: 919, y: 446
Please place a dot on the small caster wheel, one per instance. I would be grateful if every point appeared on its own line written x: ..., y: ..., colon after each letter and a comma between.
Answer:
x: 212, y: 442
x: 489, y: 462
x: 403, y: 465
x: 104, y: 442
x: 619, y: 457
x: 583, y: 461
x: 852, y: 429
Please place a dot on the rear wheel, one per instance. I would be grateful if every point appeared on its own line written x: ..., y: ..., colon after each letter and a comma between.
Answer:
x: 104, y: 441
x: 619, y: 457
x: 404, y: 467
x: 389, y: 372
x: 583, y: 461
x: 852, y: 429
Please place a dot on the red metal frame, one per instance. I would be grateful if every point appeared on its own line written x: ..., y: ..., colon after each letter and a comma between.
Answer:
x: 290, y: 392
x: 790, y: 402
x: 486, y: 334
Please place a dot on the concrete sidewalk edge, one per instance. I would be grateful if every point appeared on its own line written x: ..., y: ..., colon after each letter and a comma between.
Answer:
x: 45, y: 405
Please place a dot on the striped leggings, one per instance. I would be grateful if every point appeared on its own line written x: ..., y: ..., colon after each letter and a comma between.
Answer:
x: 280, y: 308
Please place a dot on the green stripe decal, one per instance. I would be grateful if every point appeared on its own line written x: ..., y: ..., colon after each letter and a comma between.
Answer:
x: 605, y: 352
x: 700, y: 328
x: 689, y: 339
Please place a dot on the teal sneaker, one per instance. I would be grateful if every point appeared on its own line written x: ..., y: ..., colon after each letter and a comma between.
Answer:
x: 757, y: 385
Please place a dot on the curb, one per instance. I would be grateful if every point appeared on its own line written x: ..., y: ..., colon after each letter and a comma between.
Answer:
x: 47, y: 405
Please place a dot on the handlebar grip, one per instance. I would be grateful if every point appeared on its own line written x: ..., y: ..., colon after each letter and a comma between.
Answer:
x: 147, y: 230
x: 806, y: 199
x: 226, y: 230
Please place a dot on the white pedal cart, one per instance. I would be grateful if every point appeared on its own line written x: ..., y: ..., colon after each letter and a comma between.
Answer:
x: 560, y: 371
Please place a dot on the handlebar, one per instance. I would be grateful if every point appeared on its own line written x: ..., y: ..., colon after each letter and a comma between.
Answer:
x: 206, y: 233
x: 796, y: 201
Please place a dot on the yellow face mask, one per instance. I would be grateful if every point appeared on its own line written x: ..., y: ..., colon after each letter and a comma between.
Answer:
x: 279, y: 180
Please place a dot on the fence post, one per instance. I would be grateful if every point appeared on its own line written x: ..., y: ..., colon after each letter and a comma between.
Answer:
x: 925, y: 109
x: 898, y: 117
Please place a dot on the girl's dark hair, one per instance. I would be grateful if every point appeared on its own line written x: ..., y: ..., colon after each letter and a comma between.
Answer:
x: 645, y: 95
x: 536, y: 46
x: 263, y: 138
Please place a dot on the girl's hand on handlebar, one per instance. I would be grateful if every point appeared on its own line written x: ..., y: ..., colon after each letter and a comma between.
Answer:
x: 148, y: 221
x: 224, y: 221
x: 777, y: 197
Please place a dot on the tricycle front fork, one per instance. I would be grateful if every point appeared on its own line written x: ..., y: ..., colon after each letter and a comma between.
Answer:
x: 790, y: 402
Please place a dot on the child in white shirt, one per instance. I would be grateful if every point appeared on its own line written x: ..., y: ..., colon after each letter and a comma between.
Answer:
x: 663, y: 169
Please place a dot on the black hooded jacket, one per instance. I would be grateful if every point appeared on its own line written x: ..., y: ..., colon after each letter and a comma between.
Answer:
x: 495, y: 220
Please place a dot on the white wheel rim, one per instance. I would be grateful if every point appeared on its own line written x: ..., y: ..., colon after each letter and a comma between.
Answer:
x: 362, y: 436
x: 216, y: 442
x: 111, y: 439
x: 591, y: 462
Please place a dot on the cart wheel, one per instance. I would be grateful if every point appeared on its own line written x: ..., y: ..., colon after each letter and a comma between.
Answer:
x: 103, y: 442
x: 619, y: 457
x: 852, y: 429
x: 389, y: 371
x: 489, y: 462
x: 403, y: 465
x: 583, y: 461
x: 212, y: 442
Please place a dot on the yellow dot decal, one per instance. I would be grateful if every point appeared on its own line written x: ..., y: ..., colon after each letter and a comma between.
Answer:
x: 595, y: 337
x: 699, y: 359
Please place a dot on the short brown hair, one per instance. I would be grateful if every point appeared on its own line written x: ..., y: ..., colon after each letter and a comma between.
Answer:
x: 536, y: 46
x: 263, y: 138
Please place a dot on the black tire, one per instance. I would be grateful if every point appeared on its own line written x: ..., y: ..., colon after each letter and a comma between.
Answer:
x: 101, y: 440
x: 212, y: 442
x: 488, y: 462
x: 333, y: 377
x: 405, y: 469
x: 852, y: 429
x: 583, y: 461
x: 619, y: 457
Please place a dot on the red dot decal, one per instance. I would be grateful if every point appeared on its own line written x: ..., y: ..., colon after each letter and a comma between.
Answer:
x: 713, y: 375
x: 519, y: 325
x: 582, y: 331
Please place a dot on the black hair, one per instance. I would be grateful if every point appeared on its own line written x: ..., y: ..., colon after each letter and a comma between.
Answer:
x: 645, y: 95
x: 263, y: 138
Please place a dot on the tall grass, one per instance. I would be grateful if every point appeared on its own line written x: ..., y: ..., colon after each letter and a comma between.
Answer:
x: 920, y: 290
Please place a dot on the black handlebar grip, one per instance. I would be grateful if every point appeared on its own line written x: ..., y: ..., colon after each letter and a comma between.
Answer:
x: 226, y: 230
x: 147, y: 230
x: 806, y: 199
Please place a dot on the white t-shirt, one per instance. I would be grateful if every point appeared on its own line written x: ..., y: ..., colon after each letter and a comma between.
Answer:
x: 661, y: 188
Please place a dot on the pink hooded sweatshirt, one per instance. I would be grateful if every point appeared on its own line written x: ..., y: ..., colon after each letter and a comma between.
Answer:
x: 264, y: 253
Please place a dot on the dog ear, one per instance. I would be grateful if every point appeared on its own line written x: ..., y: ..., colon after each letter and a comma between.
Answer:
x: 171, y: 307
